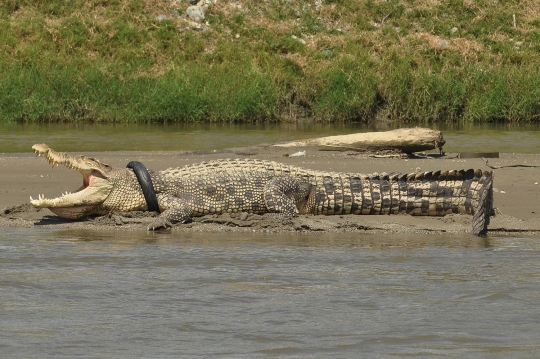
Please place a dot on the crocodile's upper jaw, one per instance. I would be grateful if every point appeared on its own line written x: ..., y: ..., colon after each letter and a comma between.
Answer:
x: 88, y: 198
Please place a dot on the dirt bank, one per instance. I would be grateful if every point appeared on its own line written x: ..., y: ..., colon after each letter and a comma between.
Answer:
x: 516, y: 193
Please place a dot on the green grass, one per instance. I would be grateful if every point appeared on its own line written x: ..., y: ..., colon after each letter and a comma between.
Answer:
x: 349, y: 60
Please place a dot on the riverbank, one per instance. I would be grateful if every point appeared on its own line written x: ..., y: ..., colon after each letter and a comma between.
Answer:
x: 516, y: 193
x: 325, y: 61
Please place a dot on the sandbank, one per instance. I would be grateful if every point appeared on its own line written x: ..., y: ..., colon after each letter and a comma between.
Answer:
x: 516, y: 193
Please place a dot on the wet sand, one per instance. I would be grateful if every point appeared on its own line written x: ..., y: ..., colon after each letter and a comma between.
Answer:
x: 516, y: 193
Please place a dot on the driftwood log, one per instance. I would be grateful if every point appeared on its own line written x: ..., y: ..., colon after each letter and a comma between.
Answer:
x: 406, y: 140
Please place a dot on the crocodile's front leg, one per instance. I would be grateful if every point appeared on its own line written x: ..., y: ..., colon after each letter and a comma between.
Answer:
x: 173, y: 210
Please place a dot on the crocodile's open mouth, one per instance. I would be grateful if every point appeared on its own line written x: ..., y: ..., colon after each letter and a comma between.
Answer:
x: 81, y: 202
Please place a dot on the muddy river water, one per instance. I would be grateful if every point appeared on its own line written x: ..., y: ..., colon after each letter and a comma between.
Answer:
x: 116, y: 294
x: 69, y: 294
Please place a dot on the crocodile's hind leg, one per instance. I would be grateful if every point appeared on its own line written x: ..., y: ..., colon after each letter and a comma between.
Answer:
x: 174, y: 210
x: 284, y: 196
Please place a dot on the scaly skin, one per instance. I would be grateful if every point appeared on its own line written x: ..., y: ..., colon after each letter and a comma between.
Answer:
x: 266, y: 187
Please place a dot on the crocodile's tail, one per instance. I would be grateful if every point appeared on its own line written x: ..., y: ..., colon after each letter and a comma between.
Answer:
x: 436, y: 193
x: 442, y: 192
x: 484, y: 207
x: 464, y: 191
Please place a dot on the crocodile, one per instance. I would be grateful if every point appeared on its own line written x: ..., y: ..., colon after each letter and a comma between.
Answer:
x: 269, y: 188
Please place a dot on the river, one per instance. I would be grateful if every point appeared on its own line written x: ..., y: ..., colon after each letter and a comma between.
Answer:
x: 68, y: 294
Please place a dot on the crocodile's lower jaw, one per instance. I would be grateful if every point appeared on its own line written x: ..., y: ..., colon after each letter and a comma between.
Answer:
x: 73, y: 212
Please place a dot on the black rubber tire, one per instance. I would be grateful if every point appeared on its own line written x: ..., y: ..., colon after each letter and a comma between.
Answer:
x: 146, y: 185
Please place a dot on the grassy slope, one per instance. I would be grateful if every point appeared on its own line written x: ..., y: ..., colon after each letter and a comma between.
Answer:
x: 408, y: 60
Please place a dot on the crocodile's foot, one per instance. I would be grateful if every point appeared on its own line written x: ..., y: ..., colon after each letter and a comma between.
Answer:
x: 159, y: 224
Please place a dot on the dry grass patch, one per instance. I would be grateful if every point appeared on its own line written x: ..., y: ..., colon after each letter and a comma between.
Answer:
x: 468, y: 49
